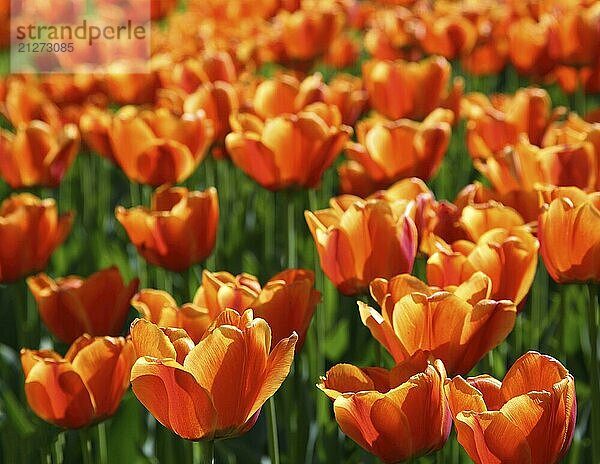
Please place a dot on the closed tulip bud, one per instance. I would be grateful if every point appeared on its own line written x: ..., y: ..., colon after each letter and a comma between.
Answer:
x: 84, y: 387
x: 179, y: 229
x: 508, y: 257
x: 369, y: 239
x: 288, y: 150
x: 569, y: 234
x: 94, y: 125
x: 194, y: 390
x: 33, y: 229
x: 157, y: 147
x: 389, y: 151
x: 459, y: 324
x: 528, y: 417
x: 37, y: 155
x: 396, y: 415
x: 72, y: 306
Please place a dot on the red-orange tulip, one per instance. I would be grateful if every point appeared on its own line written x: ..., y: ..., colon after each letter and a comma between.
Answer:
x: 342, y: 53
x: 569, y: 234
x: 84, y: 387
x: 196, y: 390
x: 288, y: 150
x: 369, y: 239
x: 458, y: 325
x: 72, y: 306
x: 94, y: 124
x: 180, y: 228
x: 448, y: 35
x: 508, y: 257
x: 395, y: 415
x: 528, y: 47
x: 528, y: 417
x: 161, y: 309
x: 37, y: 155
x: 287, y: 301
x: 156, y: 147
x: 24, y: 102
x: 32, y: 229
x: 389, y: 151
x: 401, y: 89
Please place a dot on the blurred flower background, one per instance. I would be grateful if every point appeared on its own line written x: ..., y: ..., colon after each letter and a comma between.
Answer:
x: 316, y: 231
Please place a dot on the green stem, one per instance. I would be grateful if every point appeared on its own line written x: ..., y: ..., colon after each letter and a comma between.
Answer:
x: 87, y: 456
x: 292, y: 258
x: 594, y: 374
x: 272, y: 437
x: 57, y: 449
x: 101, y: 442
x: 203, y: 452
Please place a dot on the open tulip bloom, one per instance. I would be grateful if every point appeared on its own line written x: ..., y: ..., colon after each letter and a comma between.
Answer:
x: 529, y: 417
x: 214, y: 389
x: 396, y: 415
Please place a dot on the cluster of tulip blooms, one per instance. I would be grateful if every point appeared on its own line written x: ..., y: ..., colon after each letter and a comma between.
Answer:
x: 204, y: 369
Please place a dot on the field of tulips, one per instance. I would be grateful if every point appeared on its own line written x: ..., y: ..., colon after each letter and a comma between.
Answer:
x: 316, y: 231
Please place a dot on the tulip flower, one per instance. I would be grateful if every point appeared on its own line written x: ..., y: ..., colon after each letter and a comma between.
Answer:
x: 287, y: 301
x: 84, y: 387
x: 160, y: 308
x: 389, y: 151
x: 156, y: 147
x: 496, y: 123
x: 218, y: 100
x: 458, y: 325
x: 528, y: 417
x: 37, y: 155
x: 402, y: 89
x: 288, y: 150
x: 345, y: 91
x: 196, y: 390
x: 24, y: 102
x: 342, y: 53
x: 395, y: 415
x: 33, y: 229
x: 569, y: 234
x: 508, y: 257
x: 369, y: 239
x: 450, y: 36
x: 180, y: 228
x: 72, y: 306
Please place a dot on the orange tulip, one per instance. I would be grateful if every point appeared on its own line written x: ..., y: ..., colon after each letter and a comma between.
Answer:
x: 448, y: 35
x: 178, y: 230
x: 496, y: 123
x: 369, y: 239
x: 508, y: 257
x: 195, y: 390
x: 306, y: 34
x: 288, y: 150
x: 391, y: 35
x: 94, y: 124
x: 528, y: 417
x: 458, y: 325
x: 345, y: 91
x: 72, y: 306
x: 528, y: 47
x: 401, y: 89
x: 33, y: 228
x: 569, y: 234
x: 84, y: 387
x: 24, y: 102
x: 218, y: 100
x: 156, y: 147
x: 395, y: 415
x: 574, y: 131
x: 161, y: 309
x: 524, y: 165
x: 287, y: 301
x: 130, y: 88
x: 342, y: 53
x: 389, y: 151
x: 37, y: 155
